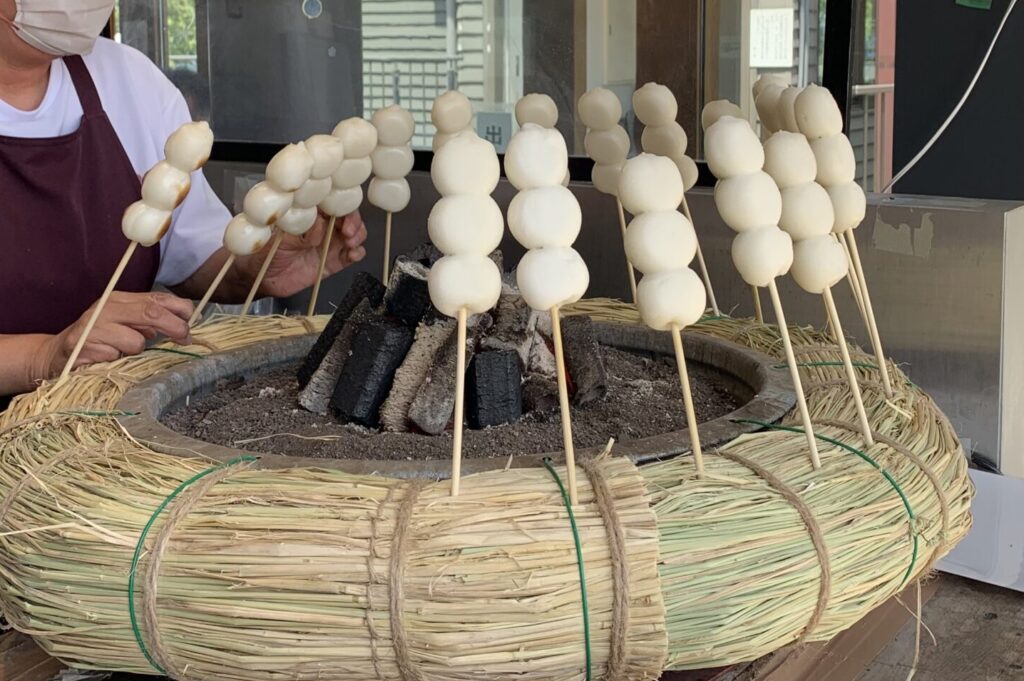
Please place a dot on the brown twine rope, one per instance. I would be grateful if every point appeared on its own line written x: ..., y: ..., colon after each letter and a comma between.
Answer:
x: 618, y: 637
x: 373, y: 579
x: 813, y: 529
x: 399, y: 544
x: 925, y: 468
x: 183, y: 505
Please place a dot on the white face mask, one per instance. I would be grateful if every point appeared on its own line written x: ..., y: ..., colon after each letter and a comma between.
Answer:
x: 60, y: 27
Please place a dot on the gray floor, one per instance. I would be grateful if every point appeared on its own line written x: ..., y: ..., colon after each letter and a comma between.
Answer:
x: 980, y: 634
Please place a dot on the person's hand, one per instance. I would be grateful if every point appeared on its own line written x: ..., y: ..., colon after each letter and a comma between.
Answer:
x: 297, y: 261
x: 127, y: 321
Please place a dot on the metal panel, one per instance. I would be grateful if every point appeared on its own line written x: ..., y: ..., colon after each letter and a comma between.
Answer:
x: 1011, y: 440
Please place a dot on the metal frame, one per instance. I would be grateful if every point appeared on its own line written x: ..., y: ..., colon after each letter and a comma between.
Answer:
x: 838, y: 47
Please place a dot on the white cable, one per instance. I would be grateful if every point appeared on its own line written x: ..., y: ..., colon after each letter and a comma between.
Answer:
x: 967, y: 93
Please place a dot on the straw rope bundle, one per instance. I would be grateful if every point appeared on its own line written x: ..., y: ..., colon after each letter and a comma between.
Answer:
x: 303, y: 573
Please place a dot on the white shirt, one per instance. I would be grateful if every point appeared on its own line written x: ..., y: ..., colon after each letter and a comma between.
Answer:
x: 144, y: 109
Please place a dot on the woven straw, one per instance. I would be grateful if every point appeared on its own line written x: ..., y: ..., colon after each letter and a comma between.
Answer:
x: 307, y: 573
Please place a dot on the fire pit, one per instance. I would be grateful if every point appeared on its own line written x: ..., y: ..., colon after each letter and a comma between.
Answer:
x: 762, y: 391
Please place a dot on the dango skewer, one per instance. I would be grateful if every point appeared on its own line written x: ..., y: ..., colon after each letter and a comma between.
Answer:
x: 146, y: 221
x: 392, y: 161
x: 817, y: 117
x: 750, y: 203
x: 661, y: 243
x: 466, y: 225
x: 819, y: 262
x: 656, y: 108
x: 545, y: 217
x: 359, y: 138
x: 607, y: 144
x: 271, y: 201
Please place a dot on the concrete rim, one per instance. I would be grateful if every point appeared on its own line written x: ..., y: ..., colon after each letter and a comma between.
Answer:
x: 770, y: 389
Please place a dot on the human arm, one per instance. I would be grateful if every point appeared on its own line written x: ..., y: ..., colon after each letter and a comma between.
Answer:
x: 293, y: 269
x: 128, y: 320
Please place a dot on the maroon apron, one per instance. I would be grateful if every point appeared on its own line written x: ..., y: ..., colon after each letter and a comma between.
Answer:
x: 61, y: 201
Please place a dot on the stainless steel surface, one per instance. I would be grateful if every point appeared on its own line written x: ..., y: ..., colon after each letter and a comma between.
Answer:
x: 872, y: 88
x: 937, y: 270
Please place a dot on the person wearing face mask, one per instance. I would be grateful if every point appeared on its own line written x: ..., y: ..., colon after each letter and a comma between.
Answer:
x: 81, y: 119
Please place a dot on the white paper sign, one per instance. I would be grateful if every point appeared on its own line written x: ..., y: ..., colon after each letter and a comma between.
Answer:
x: 771, y: 38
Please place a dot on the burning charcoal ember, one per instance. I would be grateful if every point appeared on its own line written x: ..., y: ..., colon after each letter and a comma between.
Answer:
x: 414, y: 369
x: 492, y: 389
x: 316, y: 396
x: 583, y: 359
x: 539, y: 394
x: 542, y: 357
x: 513, y: 328
x: 364, y: 287
x: 378, y: 348
x: 407, y: 298
x: 432, y: 408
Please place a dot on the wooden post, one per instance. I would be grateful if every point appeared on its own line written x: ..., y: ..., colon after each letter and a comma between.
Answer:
x: 460, y: 400
x: 387, y: 248
x: 691, y: 414
x: 705, y: 275
x: 323, y: 263
x: 198, y: 313
x: 263, y: 272
x: 629, y: 265
x: 851, y: 375
x: 563, y: 402
x: 876, y: 340
x: 794, y: 372
x: 94, y: 317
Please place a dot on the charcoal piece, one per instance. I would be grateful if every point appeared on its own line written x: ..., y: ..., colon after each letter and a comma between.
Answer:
x: 432, y: 408
x: 513, y: 328
x: 407, y: 298
x: 364, y: 287
x: 316, y: 396
x: 492, y: 389
x: 425, y: 254
x: 539, y: 394
x: 378, y: 348
x: 583, y: 359
x: 412, y: 372
x: 498, y: 258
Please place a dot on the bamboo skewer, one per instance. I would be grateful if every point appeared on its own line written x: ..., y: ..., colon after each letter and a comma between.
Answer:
x: 705, y: 275
x: 197, y: 314
x: 323, y: 263
x: 97, y: 311
x: 387, y: 248
x: 854, y: 282
x: 691, y: 414
x: 876, y: 341
x: 794, y: 372
x: 460, y: 400
x: 629, y: 265
x: 563, y: 403
x: 851, y: 375
x: 758, y: 312
x: 263, y: 272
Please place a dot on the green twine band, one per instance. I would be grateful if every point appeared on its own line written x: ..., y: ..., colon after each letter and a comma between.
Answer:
x: 142, y: 541
x: 579, y: 560
x: 172, y: 351
x: 888, y: 476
